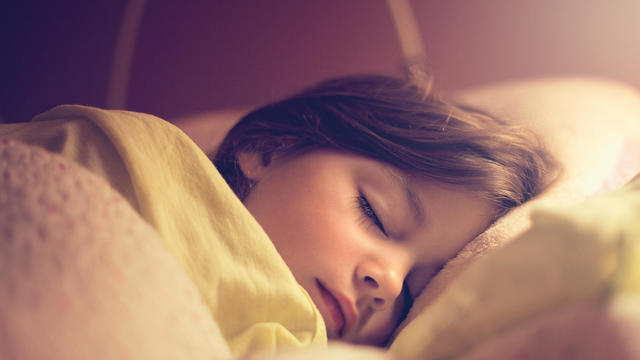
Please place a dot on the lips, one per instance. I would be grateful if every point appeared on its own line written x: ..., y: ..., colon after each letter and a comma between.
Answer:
x: 338, y: 308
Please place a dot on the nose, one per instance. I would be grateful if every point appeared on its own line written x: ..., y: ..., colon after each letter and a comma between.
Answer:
x: 381, y: 282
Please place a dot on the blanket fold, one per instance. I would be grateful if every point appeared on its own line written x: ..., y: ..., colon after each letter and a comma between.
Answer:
x: 245, y: 283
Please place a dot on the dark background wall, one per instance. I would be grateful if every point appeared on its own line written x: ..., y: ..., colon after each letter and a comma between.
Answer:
x: 193, y: 56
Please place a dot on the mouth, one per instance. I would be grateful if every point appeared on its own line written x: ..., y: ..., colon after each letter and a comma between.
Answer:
x: 336, y: 311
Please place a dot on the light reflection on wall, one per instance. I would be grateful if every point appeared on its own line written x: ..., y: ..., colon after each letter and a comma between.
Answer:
x: 472, y: 42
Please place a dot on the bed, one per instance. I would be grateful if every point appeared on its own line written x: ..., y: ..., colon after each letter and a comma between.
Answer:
x: 116, y: 262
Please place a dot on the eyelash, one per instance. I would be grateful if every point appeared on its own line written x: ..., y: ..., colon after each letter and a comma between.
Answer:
x: 368, y: 213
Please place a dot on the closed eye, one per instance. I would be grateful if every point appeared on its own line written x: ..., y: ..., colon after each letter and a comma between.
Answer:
x: 369, y: 213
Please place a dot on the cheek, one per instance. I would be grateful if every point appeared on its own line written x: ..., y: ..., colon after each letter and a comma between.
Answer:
x: 300, y: 222
x: 324, y: 231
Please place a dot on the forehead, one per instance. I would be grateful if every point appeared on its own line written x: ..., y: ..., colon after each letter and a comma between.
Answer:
x: 452, y: 216
x: 439, y: 219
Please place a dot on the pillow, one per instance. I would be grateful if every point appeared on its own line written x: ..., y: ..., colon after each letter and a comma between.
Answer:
x: 582, y: 253
x: 591, y: 126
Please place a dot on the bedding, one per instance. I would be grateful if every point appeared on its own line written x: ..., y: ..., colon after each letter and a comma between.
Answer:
x: 566, y: 250
x: 586, y: 253
x: 592, y: 126
x: 83, y: 276
x: 246, y: 285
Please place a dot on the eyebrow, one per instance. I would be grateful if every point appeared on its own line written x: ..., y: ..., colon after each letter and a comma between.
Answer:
x: 412, y: 198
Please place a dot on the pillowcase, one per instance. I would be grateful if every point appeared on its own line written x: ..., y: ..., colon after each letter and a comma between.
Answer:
x: 572, y: 254
x: 591, y: 126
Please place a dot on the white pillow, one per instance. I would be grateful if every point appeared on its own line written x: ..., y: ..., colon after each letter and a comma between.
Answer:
x: 591, y: 126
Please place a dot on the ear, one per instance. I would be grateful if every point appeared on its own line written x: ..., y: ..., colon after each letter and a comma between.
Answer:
x: 251, y: 165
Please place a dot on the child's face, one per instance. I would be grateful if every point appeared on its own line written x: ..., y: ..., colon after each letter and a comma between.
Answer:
x: 353, y: 230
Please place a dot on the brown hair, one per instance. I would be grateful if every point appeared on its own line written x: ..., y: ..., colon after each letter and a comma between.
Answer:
x: 395, y: 121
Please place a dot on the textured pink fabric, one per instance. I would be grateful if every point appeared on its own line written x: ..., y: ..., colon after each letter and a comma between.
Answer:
x: 82, y: 276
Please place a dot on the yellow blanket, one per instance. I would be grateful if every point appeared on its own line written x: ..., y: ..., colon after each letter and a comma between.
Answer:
x: 247, y: 286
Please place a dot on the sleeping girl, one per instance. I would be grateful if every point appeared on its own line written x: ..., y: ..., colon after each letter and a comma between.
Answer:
x: 366, y: 186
